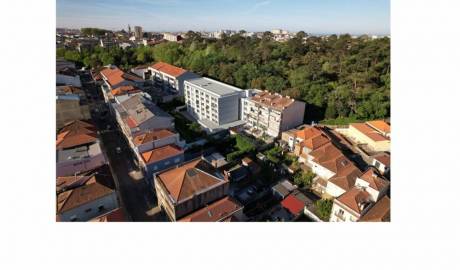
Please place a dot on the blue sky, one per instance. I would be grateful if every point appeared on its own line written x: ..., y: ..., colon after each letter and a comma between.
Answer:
x: 312, y: 16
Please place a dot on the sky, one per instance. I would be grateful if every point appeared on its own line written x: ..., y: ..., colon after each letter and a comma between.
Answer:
x: 311, y: 16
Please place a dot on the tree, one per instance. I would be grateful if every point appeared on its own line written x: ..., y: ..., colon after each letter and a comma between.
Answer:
x: 324, y: 207
x: 274, y: 154
x: 304, y: 179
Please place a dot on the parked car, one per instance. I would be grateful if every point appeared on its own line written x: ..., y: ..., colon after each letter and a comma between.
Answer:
x: 118, y: 150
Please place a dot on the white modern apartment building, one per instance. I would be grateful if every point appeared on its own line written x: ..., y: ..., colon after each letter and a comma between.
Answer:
x: 270, y: 114
x: 213, y: 104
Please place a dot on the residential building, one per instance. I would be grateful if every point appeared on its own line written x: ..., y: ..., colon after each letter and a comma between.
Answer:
x: 350, y: 205
x: 373, y: 135
x: 172, y: 37
x: 305, y: 140
x: 155, y: 138
x: 114, y: 77
x: 169, y: 77
x: 161, y: 158
x: 189, y: 187
x: 382, y: 162
x: 62, y: 63
x: 138, y: 32
x: 67, y: 76
x: 78, y: 149
x: 225, y: 209
x: 142, y: 71
x: 117, y: 215
x: 379, y: 212
x: 71, y: 104
x: 295, y: 203
x: 336, y: 174
x: 213, y: 104
x: 107, y: 43
x: 369, y: 188
x: 137, y: 115
x: 216, y: 159
x: 94, y: 198
x: 271, y: 113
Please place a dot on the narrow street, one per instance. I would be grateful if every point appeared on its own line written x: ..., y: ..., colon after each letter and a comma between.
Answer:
x: 136, y: 196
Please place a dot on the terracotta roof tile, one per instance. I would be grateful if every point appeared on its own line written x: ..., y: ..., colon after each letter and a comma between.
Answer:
x: 355, y: 199
x: 375, y: 179
x: 380, y: 125
x: 169, y: 69
x: 152, y: 136
x: 380, y: 212
x: 125, y: 89
x: 113, y: 76
x: 117, y: 215
x: 81, y: 195
x: 384, y: 158
x: 188, y: 179
x: 217, y: 211
x: 161, y: 153
x: 76, y: 133
x: 369, y: 132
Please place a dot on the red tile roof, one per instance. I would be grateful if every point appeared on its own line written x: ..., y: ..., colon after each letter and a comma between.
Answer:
x: 375, y: 179
x: 80, y: 196
x: 384, y: 158
x: 188, y: 179
x: 125, y: 89
x: 113, y: 76
x: 152, y: 136
x: 217, y: 211
x: 369, y: 132
x: 273, y: 100
x: 169, y: 69
x: 380, y: 125
x: 161, y: 153
x: 116, y: 215
x: 380, y: 212
x: 354, y: 199
x: 313, y: 137
x: 76, y: 133
x: 293, y: 204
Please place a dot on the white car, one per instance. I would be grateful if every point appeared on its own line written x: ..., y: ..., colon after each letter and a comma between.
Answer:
x: 118, y: 150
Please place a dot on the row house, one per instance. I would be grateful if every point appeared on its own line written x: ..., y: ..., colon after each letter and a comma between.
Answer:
x: 375, y: 135
x: 213, y: 104
x: 169, y: 77
x: 302, y: 142
x: 369, y: 188
x: 113, y: 77
x: 78, y: 149
x: 92, y: 196
x: 161, y: 158
x: 270, y: 114
x: 223, y: 210
x: 66, y: 75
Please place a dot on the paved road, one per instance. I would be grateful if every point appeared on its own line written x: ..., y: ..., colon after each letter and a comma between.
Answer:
x: 136, y: 196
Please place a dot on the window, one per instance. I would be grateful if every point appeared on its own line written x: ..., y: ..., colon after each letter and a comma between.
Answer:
x: 341, y: 212
x: 377, y: 164
x: 177, y: 160
x: 100, y: 208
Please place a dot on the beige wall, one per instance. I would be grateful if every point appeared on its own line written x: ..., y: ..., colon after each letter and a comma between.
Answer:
x: 359, y: 137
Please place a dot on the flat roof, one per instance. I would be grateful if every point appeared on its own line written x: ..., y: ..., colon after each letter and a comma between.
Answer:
x: 213, y: 86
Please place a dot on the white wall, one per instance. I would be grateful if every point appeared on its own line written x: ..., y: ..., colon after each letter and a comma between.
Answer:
x: 334, y: 190
x: 347, y: 216
x: 70, y: 167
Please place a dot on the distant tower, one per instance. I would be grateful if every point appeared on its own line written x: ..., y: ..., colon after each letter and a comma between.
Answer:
x: 138, y: 32
x: 129, y: 29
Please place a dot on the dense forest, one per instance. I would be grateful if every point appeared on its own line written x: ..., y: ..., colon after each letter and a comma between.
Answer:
x: 339, y: 77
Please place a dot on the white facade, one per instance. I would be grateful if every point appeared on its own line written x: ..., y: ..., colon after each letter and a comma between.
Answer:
x: 212, y: 102
x: 272, y: 121
x: 342, y: 214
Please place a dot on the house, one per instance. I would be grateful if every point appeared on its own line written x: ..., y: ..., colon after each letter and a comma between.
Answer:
x: 125, y: 90
x: 62, y: 63
x: 95, y: 197
x: 369, y: 189
x: 114, y: 77
x: 270, y: 114
x: 213, y: 104
x: 71, y: 104
x: 372, y: 134
x: 283, y: 189
x: 137, y: 115
x: 216, y: 160
x: 116, y: 215
x: 225, y: 209
x: 379, y: 212
x: 142, y: 71
x: 336, y: 173
x: 161, y: 158
x: 351, y: 205
x: 67, y: 76
x: 382, y: 162
x: 155, y: 138
x: 169, y: 77
x: 303, y: 141
x: 189, y: 187
x: 77, y: 149
x: 64, y: 183
x: 172, y: 37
